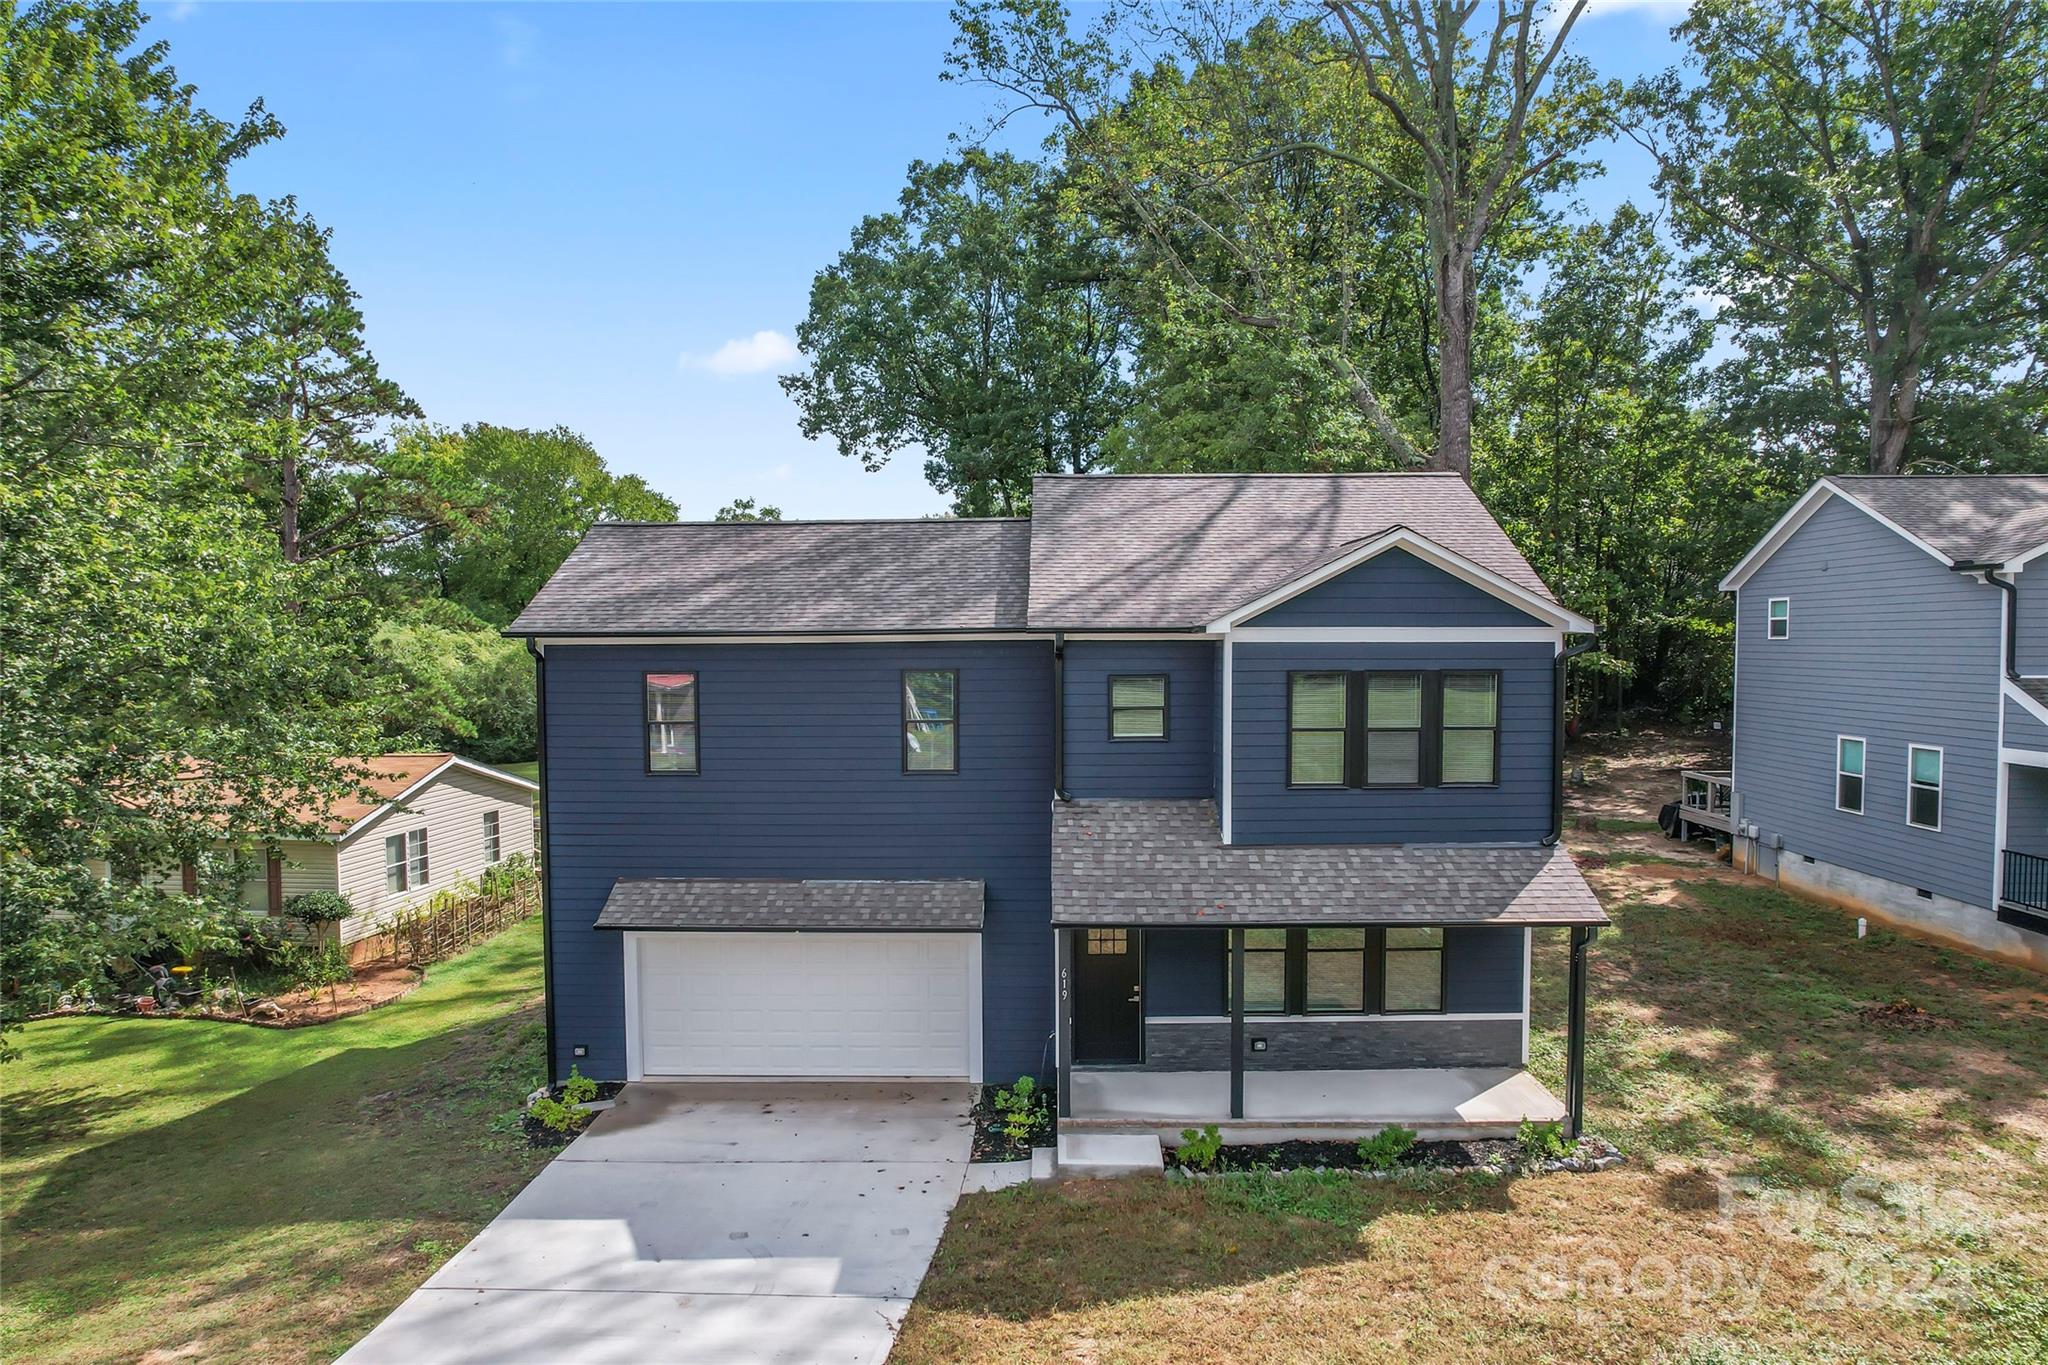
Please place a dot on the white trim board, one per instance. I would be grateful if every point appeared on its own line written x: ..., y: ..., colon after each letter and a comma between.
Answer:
x: 1399, y: 635
x: 1429, y: 552
x: 2019, y: 696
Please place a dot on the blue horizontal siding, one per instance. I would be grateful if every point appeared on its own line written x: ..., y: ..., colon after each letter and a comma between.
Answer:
x: 1394, y: 589
x: 801, y: 777
x: 1264, y: 810
x: 1181, y: 766
x: 1186, y: 971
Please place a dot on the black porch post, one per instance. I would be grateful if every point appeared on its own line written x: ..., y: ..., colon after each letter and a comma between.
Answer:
x: 1237, y: 1023
x: 1063, y: 1019
x: 1575, y: 1034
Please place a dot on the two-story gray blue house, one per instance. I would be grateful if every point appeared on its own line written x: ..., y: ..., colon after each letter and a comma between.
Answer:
x: 1223, y: 798
x: 1891, y: 705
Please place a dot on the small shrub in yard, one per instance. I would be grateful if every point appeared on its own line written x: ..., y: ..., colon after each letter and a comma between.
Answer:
x: 1541, y: 1141
x: 562, y: 1115
x: 1199, y: 1148
x: 1383, y: 1150
x: 1022, y: 1109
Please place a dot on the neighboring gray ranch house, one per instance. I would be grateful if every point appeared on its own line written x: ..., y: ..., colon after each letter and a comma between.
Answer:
x: 1224, y: 798
x: 1891, y: 705
x: 423, y: 824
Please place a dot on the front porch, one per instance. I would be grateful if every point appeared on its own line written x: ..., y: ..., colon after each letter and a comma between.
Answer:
x: 1284, y: 1106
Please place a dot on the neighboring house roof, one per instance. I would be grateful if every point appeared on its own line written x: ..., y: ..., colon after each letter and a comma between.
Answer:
x: 1149, y: 862
x: 1957, y: 519
x: 1181, y: 550
x: 797, y: 577
x: 1100, y: 552
x: 383, y: 781
x: 767, y: 903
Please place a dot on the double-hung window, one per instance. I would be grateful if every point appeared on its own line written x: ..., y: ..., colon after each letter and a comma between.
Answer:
x: 394, y: 863
x: 1849, y: 774
x: 931, y: 719
x: 405, y: 860
x: 493, y: 848
x: 1778, y: 618
x: 671, y: 722
x: 1266, y: 971
x: 1343, y: 970
x: 1412, y: 971
x: 1923, y: 786
x: 1137, y: 706
x: 1406, y: 728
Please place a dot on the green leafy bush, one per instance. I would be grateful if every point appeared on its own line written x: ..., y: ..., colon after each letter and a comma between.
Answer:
x: 1383, y: 1150
x: 316, y: 908
x: 579, y: 1088
x: 1542, y: 1141
x: 1022, y: 1109
x: 1199, y: 1148
x: 563, y: 1115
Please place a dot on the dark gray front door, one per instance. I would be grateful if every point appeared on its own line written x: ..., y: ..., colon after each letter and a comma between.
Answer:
x: 1109, y: 1013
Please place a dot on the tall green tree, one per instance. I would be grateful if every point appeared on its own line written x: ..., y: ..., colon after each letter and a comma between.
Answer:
x: 148, y: 627
x: 530, y: 497
x: 1866, y: 184
x: 975, y: 323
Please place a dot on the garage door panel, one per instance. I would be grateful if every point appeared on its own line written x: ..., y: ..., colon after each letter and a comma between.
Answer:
x: 879, y: 1004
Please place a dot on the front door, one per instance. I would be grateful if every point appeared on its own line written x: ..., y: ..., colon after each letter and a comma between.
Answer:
x: 1109, y: 1014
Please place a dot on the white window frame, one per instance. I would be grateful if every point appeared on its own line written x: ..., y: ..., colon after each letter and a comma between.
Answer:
x: 395, y: 870
x: 1841, y: 772
x: 1770, y: 620
x: 1940, y: 785
x: 416, y: 863
x: 494, y: 846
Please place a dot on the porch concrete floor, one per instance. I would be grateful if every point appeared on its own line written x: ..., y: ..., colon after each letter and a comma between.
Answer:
x: 1466, y: 1102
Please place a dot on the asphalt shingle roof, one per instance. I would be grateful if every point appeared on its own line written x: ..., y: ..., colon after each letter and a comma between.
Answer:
x: 1973, y: 519
x: 766, y: 903
x: 787, y: 577
x: 1172, y: 550
x: 1143, y: 863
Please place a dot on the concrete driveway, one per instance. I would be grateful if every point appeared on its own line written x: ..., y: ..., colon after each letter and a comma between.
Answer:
x: 706, y: 1222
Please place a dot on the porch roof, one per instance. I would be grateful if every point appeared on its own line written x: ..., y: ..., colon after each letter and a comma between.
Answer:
x: 738, y: 903
x: 1162, y: 863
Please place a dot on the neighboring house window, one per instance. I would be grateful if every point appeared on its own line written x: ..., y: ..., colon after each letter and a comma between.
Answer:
x: 394, y: 863
x: 1849, y: 774
x: 671, y: 722
x: 931, y: 714
x: 1778, y: 620
x: 1471, y: 712
x: 1393, y: 729
x: 1265, y: 971
x: 1411, y: 729
x: 1317, y: 709
x: 1137, y: 706
x: 1412, y: 977
x: 1333, y: 971
x: 416, y: 856
x: 1923, y: 786
x: 492, y: 849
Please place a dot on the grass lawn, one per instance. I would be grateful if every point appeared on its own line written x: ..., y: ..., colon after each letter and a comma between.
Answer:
x: 1730, y: 1053
x: 530, y: 770
x: 193, y: 1191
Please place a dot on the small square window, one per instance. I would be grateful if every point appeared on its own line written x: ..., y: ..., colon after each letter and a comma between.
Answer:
x: 1137, y: 707
x: 1778, y: 621
x: 1107, y: 942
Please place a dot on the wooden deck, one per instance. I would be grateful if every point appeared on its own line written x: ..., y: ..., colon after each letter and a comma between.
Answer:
x: 1706, y: 800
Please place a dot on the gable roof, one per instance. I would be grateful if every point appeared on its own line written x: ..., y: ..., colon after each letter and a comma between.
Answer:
x: 1176, y: 551
x: 1956, y: 519
x: 795, y: 577
x: 381, y: 781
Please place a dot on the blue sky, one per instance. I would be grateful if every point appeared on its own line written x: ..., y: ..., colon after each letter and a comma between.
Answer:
x: 608, y: 216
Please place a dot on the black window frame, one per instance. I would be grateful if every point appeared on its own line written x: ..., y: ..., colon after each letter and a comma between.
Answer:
x: 1344, y: 732
x: 1425, y: 726
x: 905, y: 720
x: 1165, y: 708
x: 1294, y: 971
x: 695, y: 722
x: 1429, y: 761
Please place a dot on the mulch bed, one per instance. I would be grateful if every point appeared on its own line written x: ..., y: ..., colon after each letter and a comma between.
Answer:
x: 1343, y: 1156
x: 991, y: 1143
x: 541, y: 1137
x: 373, y: 986
x: 1903, y: 1015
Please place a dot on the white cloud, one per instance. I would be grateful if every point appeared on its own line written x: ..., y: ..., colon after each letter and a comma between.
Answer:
x: 1669, y: 11
x: 181, y: 11
x: 763, y: 351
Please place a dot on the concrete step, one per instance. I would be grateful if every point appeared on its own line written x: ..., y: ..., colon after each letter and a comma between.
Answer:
x: 1089, y: 1155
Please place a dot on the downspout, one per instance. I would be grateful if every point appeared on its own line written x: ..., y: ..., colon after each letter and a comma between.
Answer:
x: 2012, y: 611
x: 547, y: 862
x: 1059, y: 716
x: 1564, y: 656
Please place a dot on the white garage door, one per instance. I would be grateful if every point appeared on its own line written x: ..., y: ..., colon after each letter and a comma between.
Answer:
x: 812, y: 1004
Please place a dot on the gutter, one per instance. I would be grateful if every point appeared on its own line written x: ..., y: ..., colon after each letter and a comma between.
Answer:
x: 1564, y: 657
x: 2012, y: 611
x: 1059, y: 716
x: 547, y: 861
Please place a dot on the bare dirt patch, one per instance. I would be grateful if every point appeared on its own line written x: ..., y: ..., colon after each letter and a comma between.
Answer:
x: 379, y: 983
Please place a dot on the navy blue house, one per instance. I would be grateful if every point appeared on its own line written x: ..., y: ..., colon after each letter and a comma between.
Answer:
x: 1210, y: 797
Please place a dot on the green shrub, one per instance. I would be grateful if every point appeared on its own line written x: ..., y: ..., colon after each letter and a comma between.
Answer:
x: 1022, y: 1109
x: 1199, y: 1148
x: 579, y: 1088
x: 316, y: 908
x: 1542, y: 1141
x: 558, y: 1117
x: 1383, y: 1150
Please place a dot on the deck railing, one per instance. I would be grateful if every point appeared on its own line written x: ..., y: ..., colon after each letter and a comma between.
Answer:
x: 1707, y: 797
x: 2026, y: 881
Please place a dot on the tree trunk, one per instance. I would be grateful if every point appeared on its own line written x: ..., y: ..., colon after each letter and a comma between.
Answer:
x: 1454, y: 311
x: 288, y: 511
